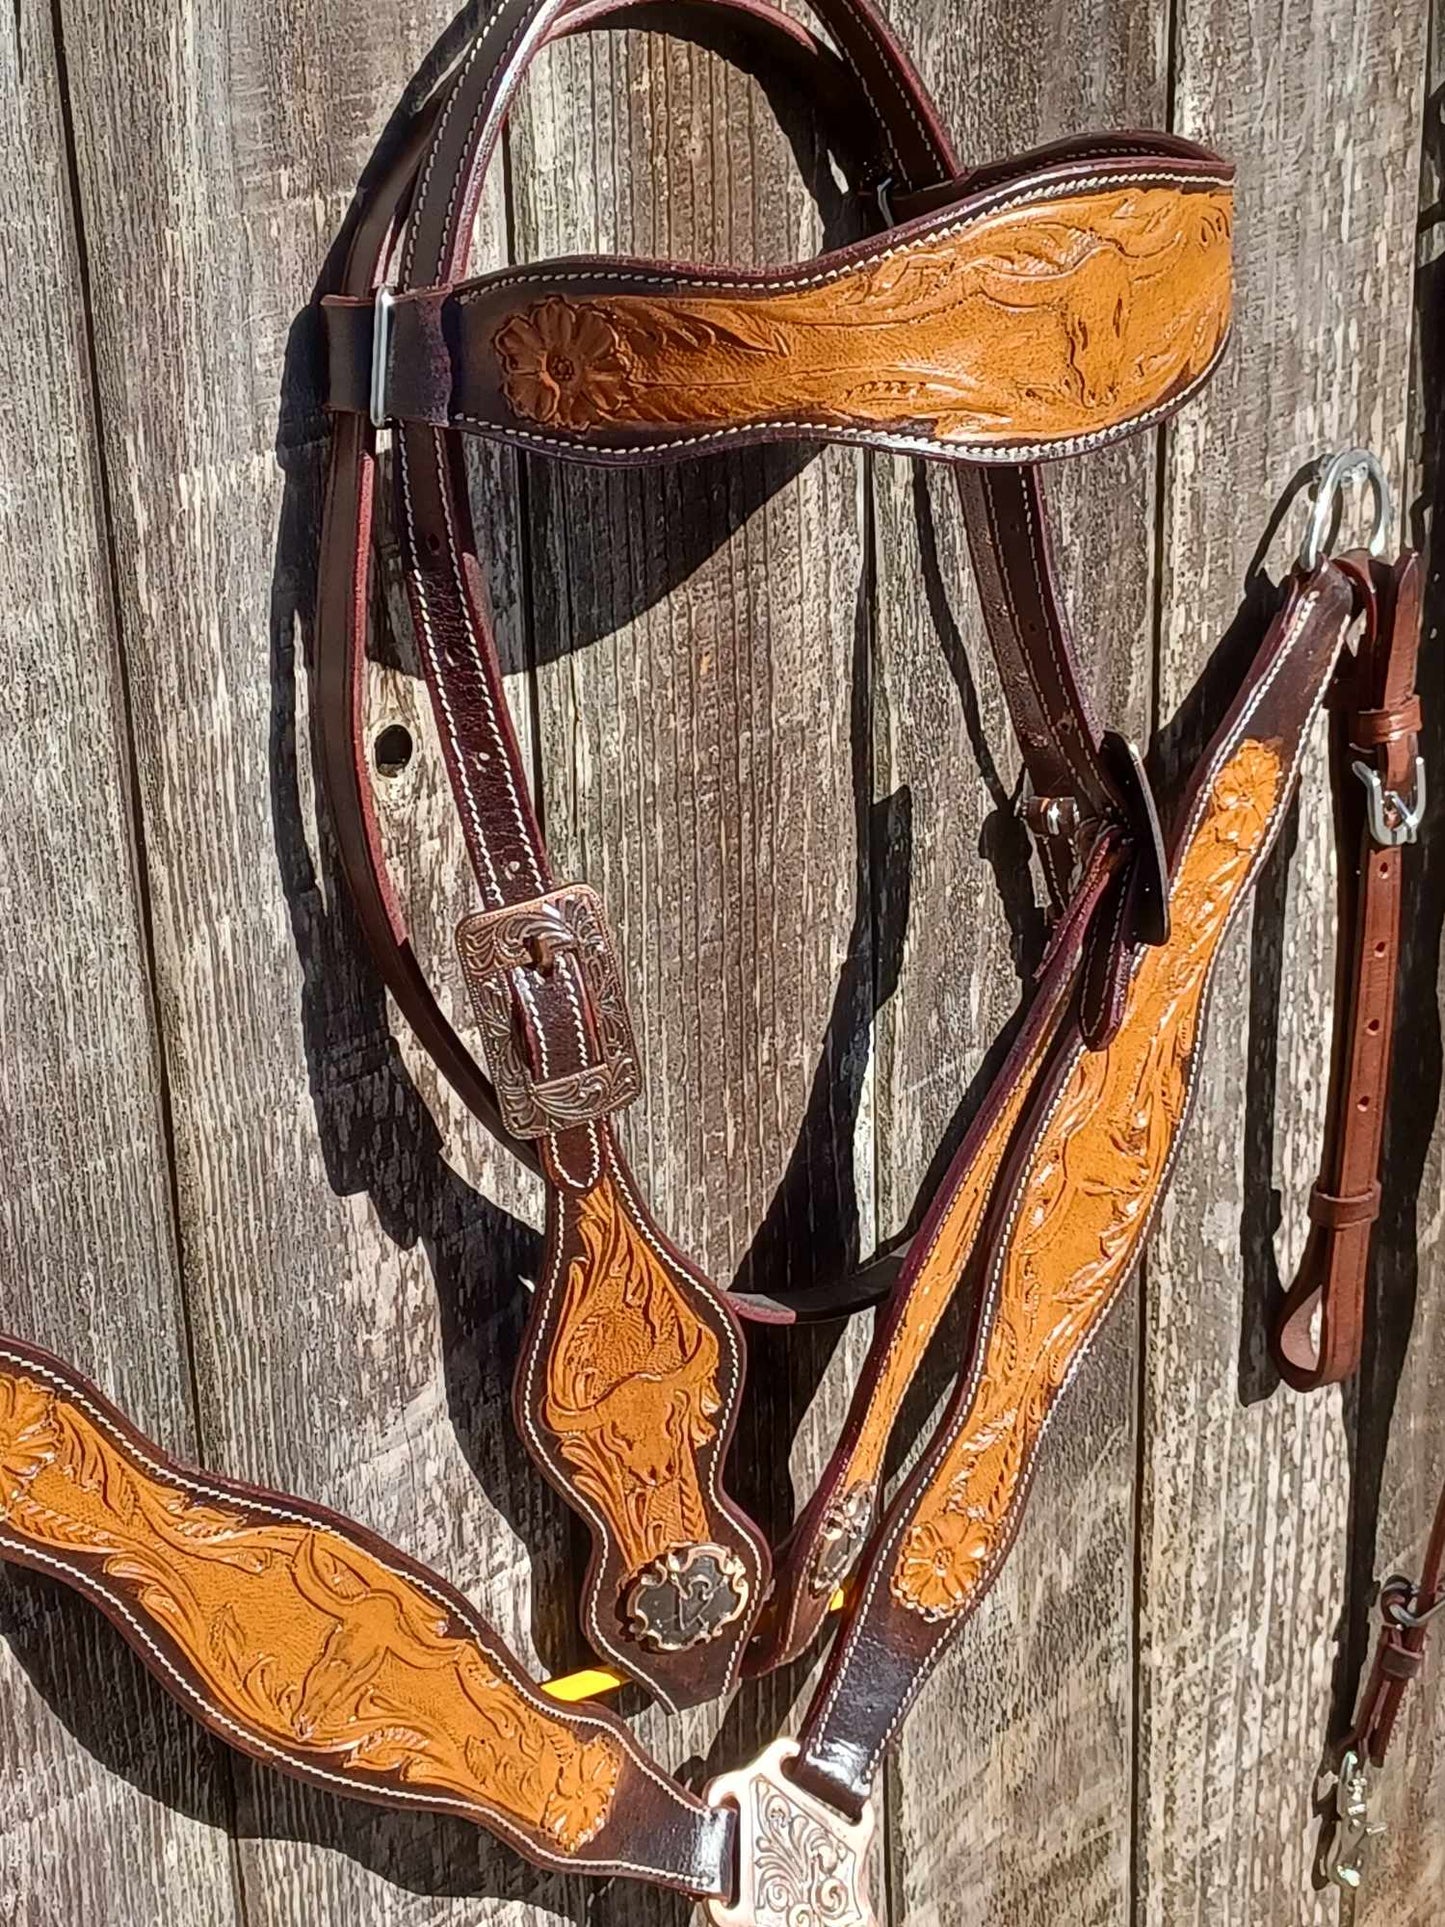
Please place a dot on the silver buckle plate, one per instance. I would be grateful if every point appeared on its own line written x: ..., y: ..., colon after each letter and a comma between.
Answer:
x: 798, y: 1858
x: 532, y: 936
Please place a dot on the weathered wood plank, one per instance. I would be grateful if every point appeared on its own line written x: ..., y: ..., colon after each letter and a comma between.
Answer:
x: 1402, y: 1455
x: 1030, y: 1718
x: 702, y: 690
x: 1245, y: 1491
x: 110, y: 1799
x: 354, y: 1288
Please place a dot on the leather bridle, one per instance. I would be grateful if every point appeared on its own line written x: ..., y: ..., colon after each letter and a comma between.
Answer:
x: 1027, y: 310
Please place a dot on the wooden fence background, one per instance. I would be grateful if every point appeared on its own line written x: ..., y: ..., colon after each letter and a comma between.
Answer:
x: 232, y: 1192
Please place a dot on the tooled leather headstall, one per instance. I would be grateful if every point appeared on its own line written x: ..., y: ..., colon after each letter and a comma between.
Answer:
x: 1030, y: 309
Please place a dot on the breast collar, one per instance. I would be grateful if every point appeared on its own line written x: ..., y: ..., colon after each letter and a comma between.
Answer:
x: 1035, y: 308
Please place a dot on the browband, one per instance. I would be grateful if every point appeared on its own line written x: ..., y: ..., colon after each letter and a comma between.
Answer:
x: 1032, y: 308
x: 1044, y: 315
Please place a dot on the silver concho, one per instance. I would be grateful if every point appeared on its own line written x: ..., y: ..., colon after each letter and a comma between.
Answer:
x: 840, y: 1539
x: 686, y: 1597
x: 799, y: 1860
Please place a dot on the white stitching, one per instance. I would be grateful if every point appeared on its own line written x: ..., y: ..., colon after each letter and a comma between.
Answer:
x: 678, y: 280
x: 899, y: 440
x: 444, y: 489
x: 437, y: 680
x: 578, y: 1498
x: 939, y: 1448
x: 455, y: 1608
x: 431, y: 158
x: 890, y: 62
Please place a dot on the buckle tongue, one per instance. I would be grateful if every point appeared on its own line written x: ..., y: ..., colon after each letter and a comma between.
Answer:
x: 799, y: 1859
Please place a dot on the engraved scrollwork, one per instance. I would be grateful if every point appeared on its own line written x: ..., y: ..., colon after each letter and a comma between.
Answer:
x: 296, y: 1636
x: 1038, y: 322
x: 802, y: 1870
x: 1092, y: 1181
x: 532, y: 936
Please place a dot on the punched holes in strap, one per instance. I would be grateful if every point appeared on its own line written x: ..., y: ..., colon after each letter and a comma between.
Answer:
x: 498, y: 949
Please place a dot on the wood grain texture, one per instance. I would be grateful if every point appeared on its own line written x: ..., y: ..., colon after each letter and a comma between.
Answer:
x: 354, y: 1290
x: 701, y: 665
x: 1030, y: 1715
x: 106, y: 1787
x: 769, y: 734
x: 1245, y: 1487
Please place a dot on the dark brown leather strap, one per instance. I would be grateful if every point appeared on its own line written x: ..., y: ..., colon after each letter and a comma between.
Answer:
x: 537, y: 955
x: 1407, y: 1611
x: 1087, y: 1166
x: 303, y: 1640
x: 1374, y: 724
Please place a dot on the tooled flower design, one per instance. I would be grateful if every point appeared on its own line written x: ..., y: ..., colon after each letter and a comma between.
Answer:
x: 939, y: 1563
x: 562, y: 363
x: 1245, y: 792
x: 29, y: 1436
x: 579, y: 1803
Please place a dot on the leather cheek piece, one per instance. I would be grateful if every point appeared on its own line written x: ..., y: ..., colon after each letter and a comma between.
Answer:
x: 1044, y: 316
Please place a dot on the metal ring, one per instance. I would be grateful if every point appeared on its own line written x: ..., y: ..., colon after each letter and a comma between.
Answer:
x: 1334, y: 472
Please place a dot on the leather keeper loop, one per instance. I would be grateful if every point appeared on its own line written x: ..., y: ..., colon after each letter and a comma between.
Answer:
x: 1370, y: 728
x: 1333, y: 1213
x: 1398, y: 1662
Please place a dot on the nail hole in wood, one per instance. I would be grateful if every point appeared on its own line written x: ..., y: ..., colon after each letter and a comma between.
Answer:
x: 391, y: 750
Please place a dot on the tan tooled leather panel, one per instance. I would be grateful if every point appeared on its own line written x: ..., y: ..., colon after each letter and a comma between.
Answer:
x: 1042, y: 322
x: 296, y: 1640
x: 632, y: 1391
x: 1083, y: 1205
x: 933, y: 1290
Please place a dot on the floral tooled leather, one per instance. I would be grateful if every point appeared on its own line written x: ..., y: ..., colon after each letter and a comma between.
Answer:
x: 1083, y: 1204
x: 1050, y: 321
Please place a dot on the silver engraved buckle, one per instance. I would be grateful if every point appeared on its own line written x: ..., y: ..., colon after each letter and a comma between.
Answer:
x: 798, y: 1858
x: 1354, y: 1825
x: 531, y: 936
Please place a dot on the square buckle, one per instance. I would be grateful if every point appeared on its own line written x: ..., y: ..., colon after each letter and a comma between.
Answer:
x: 531, y: 936
x: 798, y: 1859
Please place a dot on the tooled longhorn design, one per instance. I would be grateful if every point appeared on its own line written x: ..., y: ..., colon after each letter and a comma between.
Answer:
x: 294, y: 1638
x: 1031, y: 323
x: 633, y: 1399
x: 1090, y: 277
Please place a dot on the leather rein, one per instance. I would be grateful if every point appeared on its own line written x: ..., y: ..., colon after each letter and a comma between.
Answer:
x: 994, y: 318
